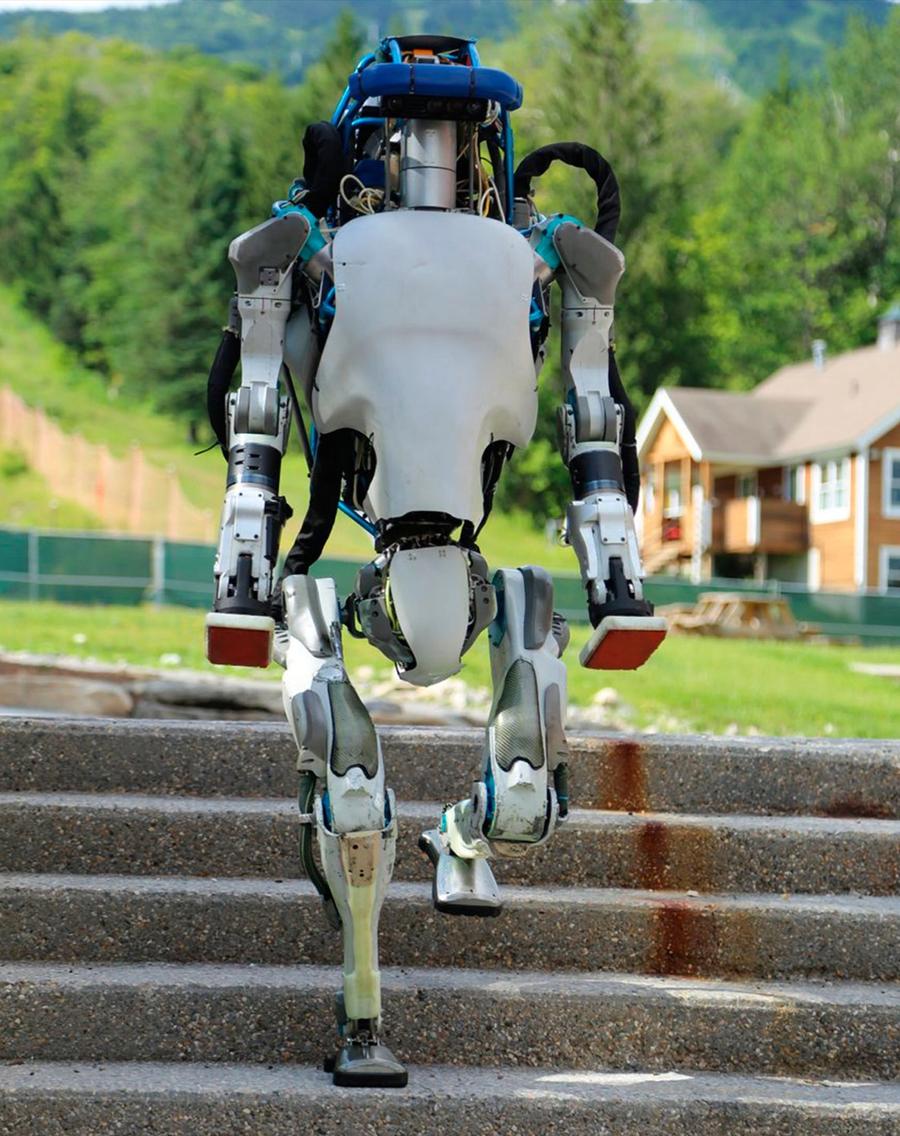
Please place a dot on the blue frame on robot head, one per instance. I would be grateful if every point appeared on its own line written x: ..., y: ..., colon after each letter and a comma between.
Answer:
x: 386, y: 75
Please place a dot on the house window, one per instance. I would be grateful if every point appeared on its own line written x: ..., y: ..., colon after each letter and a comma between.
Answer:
x: 795, y: 484
x: 890, y: 505
x: 890, y: 569
x: 673, y: 506
x: 650, y: 491
x: 746, y: 485
x: 831, y: 490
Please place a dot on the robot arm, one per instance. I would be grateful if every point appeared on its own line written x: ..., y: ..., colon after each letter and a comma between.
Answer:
x: 257, y: 423
x: 596, y: 441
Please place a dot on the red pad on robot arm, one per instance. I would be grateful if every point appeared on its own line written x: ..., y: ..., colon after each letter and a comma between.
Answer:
x: 239, y: 640
x: 623, y: 642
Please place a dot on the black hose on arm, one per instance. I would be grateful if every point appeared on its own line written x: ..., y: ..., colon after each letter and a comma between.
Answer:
x: 609, y: 205
x: 630, y: 471
x: 218, y: 384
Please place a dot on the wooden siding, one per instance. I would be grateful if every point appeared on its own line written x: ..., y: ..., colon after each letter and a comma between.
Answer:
x: 782, y: 526
x: 771, y: 481
x: 668, y: 452
x: 667, y: 445
x: 883, y: 531
x: 725, y: 488
x: 836, y: 543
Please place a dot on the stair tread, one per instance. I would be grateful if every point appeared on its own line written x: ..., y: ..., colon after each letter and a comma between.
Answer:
x: 818, y: 776
x: 606, y: 985
x: 427, y: 1082
x: 882, y: 906
x: 429, y: 811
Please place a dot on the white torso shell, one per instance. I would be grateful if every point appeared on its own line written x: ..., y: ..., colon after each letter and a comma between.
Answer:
x: 429, y: 354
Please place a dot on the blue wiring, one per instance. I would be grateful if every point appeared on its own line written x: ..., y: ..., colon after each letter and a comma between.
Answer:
x: 509, y: 161
x: 344, y: 508
x: 341, y: 107
x: 354, y: 516
x: 326, y: 308
x: 345, y: 97
x: 367, y: 120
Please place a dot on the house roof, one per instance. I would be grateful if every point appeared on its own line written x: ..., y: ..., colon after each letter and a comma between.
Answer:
x: 730, y: 422
x: 798, y: 412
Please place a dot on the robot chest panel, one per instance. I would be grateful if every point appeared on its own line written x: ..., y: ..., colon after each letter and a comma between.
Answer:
x: 429, y: 354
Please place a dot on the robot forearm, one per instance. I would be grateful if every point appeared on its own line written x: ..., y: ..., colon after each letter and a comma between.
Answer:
x: 600, y: 522
x: 257, y: 424
x: 597, y: 442
x: 600, y: 519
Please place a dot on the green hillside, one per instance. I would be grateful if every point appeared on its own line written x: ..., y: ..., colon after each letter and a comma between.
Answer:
x: 27, y: 502
x: 747, y: 41
x: 283, y: 36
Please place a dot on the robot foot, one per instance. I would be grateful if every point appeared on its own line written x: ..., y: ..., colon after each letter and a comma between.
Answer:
x: 461, y: 887
x: 364, y: 1064
x: 623, y: 642
x: 239, y: 640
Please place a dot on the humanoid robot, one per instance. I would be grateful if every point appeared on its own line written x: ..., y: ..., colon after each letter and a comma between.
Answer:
x: 403, y: 288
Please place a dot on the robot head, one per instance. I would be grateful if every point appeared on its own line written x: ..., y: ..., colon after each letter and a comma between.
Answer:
x: 423, y: 607
x: 411, y: 124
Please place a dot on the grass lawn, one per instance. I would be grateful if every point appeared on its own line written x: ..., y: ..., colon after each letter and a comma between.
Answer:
x: 690, y: 685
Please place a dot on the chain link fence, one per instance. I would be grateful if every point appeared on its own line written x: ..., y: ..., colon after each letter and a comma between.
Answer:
x: 101, y: 568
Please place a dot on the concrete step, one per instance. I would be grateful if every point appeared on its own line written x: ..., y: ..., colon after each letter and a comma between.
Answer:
x: 188, y: 1099
x: 663, y: 774
x: 143, y: 835
x: 284, y: 1014
x: 185, y: 1099
x: 134, y: 919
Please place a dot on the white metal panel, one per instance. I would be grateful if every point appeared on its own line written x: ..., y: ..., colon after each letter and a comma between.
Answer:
x: 429, y: 354
x: 430, y: 595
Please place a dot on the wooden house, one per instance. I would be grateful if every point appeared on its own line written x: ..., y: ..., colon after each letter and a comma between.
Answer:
x: 797, y: 480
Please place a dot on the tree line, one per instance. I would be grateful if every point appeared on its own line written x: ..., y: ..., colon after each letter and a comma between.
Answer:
x: 750, y: 228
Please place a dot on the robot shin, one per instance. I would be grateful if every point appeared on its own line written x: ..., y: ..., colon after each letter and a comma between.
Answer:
x: 355, y: 815
x: 523, y: 795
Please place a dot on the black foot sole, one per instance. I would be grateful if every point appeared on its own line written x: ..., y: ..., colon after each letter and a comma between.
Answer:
x: 479, y: 911
x: 366, y: 1065
x: 350, y: 1080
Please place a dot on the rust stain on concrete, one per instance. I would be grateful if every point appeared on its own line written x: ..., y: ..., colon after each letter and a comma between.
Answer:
x: 626, y: 785
x: 857, y: 808
x: 653, y: 856
x: 684, y: 939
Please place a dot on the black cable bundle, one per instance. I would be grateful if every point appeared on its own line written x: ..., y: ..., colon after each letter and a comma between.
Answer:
x: 609, y: 205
